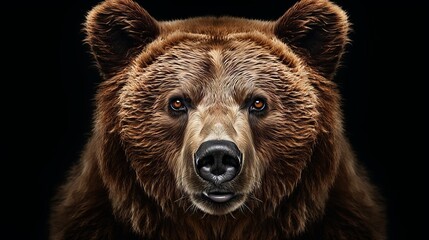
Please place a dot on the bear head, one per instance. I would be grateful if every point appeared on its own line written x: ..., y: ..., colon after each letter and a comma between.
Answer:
x: 215, y: 115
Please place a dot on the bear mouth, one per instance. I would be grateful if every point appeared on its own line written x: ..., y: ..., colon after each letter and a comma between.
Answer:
x: 218, y: 197
x: 218, y: 201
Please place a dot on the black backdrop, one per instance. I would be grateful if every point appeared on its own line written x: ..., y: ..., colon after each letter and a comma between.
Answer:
x: 49, y: 80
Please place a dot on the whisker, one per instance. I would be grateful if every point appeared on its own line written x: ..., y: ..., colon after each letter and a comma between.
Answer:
x: 255, y: 198
x: 248, y: 208
x: 188, y: 208
x: 194, y: 209
x: 242, y: 210
x: 181, y: 198
x: 232, y: 215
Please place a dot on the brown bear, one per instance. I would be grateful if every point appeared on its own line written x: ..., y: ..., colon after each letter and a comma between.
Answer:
x: 217, y: 128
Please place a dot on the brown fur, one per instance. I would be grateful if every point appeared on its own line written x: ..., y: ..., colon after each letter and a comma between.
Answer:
x: 136, y: 178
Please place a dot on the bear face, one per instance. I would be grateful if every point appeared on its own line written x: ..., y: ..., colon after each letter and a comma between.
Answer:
x: 218, y: 121
x: 225, y: 90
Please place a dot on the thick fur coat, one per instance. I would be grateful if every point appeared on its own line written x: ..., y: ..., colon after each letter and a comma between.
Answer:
x: 265, y: 87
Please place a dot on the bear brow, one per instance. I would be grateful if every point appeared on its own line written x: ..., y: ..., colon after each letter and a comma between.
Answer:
x: 163, y: 45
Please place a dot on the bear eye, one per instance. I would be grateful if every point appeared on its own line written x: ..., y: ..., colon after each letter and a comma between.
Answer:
x: 178, y: 105
x: 258, y: 105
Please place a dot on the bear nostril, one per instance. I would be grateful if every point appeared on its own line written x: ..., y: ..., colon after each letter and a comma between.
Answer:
x: 205, y: 161
x: 231, y: 161
x: 218, y: 161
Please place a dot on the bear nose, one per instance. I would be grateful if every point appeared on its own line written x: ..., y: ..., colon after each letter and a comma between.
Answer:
x: 218, y: 161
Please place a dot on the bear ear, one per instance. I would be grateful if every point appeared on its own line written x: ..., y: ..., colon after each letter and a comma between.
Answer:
x: 116, y: 30
x: 318, y: 31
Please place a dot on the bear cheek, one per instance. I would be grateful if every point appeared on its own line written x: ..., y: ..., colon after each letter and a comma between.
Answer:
x: 152, y: 160
x: 282, y: 154
x: 152, y: 141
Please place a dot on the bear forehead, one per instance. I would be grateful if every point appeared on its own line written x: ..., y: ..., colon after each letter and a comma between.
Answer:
x: 248, y: 38
x: 217, y: 56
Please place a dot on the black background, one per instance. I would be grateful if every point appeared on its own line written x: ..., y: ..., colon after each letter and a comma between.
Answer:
x: 49, y: 79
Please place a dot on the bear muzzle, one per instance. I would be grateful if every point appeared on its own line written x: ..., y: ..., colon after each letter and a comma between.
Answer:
x: 218, y: 162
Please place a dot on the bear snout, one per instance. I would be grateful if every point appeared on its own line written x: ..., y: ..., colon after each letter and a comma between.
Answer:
x: 218, y: 161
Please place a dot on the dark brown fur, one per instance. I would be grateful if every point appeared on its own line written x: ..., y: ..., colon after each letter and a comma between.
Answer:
x: 136, y: 177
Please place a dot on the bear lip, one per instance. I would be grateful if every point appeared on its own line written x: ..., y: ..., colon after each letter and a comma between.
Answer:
x: 219, y: 197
